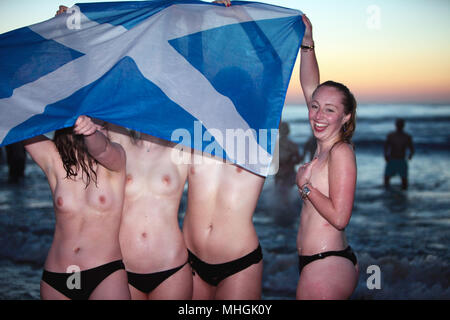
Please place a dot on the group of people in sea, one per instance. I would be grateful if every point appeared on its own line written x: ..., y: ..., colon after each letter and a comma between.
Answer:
x: 116, y: 195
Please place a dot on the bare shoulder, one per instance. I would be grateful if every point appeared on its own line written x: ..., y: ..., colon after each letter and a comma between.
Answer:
x: 342, y: 162
x: 117, y: 133
x: 121, y: 150
x: 342, y: 151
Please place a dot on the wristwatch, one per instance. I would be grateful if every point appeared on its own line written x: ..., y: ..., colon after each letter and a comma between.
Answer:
x: 305, y: 191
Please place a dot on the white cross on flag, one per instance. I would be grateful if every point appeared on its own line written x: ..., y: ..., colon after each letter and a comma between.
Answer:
x: 177, y: 70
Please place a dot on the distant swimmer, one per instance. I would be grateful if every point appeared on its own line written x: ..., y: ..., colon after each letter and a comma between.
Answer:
x: 16, y: 157
x: 310, y: 148
x: 289, y: 157
x: 284, y: 209
x: 395, y: 147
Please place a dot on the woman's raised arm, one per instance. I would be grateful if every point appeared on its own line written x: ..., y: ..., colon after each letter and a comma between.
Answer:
x: 309, y: 69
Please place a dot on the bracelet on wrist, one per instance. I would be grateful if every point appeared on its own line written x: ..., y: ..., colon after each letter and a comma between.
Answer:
x: 305, y: 190
x: 307, y: 48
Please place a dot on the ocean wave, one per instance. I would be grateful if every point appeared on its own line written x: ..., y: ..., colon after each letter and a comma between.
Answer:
x: 387, y: 119
x: 426, y: 146
x: 421, y: 277
x: 20, y: 245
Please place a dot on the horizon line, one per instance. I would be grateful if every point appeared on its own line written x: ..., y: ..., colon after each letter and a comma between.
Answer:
x: 294, y: 103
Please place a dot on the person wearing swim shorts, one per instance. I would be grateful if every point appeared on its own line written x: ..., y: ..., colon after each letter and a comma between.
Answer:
x: 327, y: 264
x: 395, y: 147
x: 86, y: 175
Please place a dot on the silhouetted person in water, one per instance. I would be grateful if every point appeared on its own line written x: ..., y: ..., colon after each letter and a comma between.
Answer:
x: 395, y: 154
x: 285, y: 208
x: 310, y: 148
x: 2, y: 160
x: 289, y: 157
x: 15, y: 156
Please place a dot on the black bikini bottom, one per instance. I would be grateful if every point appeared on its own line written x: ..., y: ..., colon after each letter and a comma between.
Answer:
x: 88, y: 280
x: 215, y: 273
x: 346, y: 253
x: 147, y: 282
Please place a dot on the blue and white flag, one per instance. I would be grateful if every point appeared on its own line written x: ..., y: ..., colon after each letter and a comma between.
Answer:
x: 195, y: 73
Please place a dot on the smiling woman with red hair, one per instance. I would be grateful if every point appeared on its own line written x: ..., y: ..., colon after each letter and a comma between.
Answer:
x: 327, y: 265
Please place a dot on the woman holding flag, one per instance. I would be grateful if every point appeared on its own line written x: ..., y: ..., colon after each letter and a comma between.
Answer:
x: 86, y: 174
x: 152, y: 244
x: 327, y: 265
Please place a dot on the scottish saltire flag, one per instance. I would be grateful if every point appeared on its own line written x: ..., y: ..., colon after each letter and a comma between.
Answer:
x: 196, y: 73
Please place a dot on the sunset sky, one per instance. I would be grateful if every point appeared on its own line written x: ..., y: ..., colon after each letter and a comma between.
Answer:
x: 384, y: 50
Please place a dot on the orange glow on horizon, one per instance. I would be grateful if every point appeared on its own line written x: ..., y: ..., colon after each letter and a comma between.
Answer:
x: 383, y: 76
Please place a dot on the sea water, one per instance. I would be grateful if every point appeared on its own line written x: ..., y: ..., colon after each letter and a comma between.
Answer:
x: 404, y: 233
